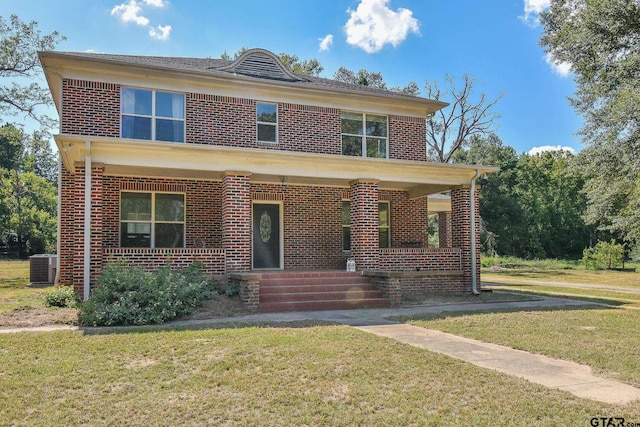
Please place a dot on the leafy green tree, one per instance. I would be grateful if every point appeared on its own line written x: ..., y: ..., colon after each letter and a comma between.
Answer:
x: 373, y: 79
x: 600, y: 39
x: 532, y: 207
x: 502, y: 228
x: 28, y: 200
x: 19, y: 46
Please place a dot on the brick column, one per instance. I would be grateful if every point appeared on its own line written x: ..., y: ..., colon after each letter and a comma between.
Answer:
x: 236, y: 220
x: 461, y: 232
x: 444, y: 229
x: 364, y: 224
x: 67, y: 222
x: 79, y: 232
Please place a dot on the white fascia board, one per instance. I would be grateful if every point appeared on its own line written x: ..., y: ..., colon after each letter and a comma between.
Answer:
x: 209, y: 162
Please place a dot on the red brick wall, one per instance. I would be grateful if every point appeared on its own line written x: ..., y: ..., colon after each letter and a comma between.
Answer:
x: 93, y: 109
x: 67, y: 227
x: 461, y: 231
x: 203, y: 200
x: 221, y: 120
x: 364, y: 224
x: 407, y: 138
x: 399, y: 259
x: 312, y: 224
x: 152, y: 259
x: 444, y: 229
x: 310, y: 129
x: 90, y: 108
x: 236, y: 220
x: 409, y: 219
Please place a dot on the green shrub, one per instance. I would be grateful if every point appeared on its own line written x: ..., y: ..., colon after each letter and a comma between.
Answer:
x: 61, y: 296
x: 130, y: 296
x: 604, y: 255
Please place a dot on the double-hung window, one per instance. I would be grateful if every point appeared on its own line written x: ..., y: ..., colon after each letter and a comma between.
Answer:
x: 152, y: 115
x: 384, y: 234
x: 267, y: 119
x: 152, y: 220
x: 364, y: 135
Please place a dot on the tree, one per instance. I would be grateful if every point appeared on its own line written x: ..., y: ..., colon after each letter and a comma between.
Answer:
x: 19, y: 46
x: 534, y: 206
x: 372, y: 79
x: 601, y: 41
x: 450, y: 127
x: 27, y: 199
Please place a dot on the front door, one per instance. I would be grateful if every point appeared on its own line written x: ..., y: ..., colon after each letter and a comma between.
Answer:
x: 266, y: 235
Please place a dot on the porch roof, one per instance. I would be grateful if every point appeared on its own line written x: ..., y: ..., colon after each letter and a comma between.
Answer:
x: 135, y: 158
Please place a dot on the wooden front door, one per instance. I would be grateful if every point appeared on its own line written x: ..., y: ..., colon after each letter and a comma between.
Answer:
x: 266, y: 236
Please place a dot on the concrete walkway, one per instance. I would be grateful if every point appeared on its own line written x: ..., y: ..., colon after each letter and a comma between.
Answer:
x: 568, y: 376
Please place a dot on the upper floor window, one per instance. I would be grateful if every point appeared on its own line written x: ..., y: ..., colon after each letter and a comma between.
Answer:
x: 151, y: 220
x: 364, y: 135
x: 152, y: 115
x: 267, y: 119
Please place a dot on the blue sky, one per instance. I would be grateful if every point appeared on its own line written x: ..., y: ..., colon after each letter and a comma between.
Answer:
x: 406, y: 40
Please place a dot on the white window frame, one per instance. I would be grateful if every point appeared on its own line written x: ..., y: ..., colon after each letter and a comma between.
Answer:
x: 152, y: 221
x: 363, y: 137
x: 258, y: 123
x: 153, y: 115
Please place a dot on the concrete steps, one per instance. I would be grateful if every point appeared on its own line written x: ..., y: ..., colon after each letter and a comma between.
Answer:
x: 317, y: 290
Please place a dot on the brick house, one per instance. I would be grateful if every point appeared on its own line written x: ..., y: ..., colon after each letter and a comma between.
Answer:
x: 264, y: 176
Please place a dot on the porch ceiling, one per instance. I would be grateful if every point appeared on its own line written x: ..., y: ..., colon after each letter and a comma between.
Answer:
x: 194, y: 161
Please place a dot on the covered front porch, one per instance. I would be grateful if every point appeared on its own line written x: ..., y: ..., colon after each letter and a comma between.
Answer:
x: 291, y: 203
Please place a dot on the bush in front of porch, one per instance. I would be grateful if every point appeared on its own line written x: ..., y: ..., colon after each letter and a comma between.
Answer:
x: 128, y: 295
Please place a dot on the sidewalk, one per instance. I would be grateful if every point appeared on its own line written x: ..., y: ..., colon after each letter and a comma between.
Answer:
x: 568, y: 376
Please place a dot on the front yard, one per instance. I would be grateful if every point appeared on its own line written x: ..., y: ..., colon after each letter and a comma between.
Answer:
x: 305, y: 373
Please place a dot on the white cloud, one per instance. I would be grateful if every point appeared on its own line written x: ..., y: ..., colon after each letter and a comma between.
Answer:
x: 561, y: 68
x: 131, y: 11
x: 373, y: 24
x: 155, y: 3
x: 533, y: 8
x: 326, y: 42
x: 161, y: 33
x: 544, y: 148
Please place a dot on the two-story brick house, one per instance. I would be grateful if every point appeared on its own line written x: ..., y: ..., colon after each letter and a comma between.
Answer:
x: 249, y: 168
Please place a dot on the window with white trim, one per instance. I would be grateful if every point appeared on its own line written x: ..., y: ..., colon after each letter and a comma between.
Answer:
x: 152, y: 220
x: 384, y: 227
x: 152, y: 115
x: 267, y: 122
x: 364, y: 135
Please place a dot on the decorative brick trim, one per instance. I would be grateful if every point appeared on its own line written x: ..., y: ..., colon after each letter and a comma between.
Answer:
x: 345, y: 194
x: 311, y: 108
x: 91, y: 85
x: 267, y: 196
x: 153, y: 186
x: 223, y: 99
x: 407, y: 119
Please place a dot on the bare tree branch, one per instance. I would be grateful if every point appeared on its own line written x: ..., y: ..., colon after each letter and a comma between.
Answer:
x: 450, y: 127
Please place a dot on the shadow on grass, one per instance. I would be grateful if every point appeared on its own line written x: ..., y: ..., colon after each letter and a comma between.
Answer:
x: 205, y: 325
x: 452, y: 314
x: 530, y: 290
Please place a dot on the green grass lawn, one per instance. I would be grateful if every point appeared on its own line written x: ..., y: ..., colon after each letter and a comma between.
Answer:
x: 24, y: 306
x: 306, y: 374
x: 321, y: 375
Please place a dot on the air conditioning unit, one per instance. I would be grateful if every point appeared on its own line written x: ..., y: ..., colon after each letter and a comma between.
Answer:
x: 42, y: 268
